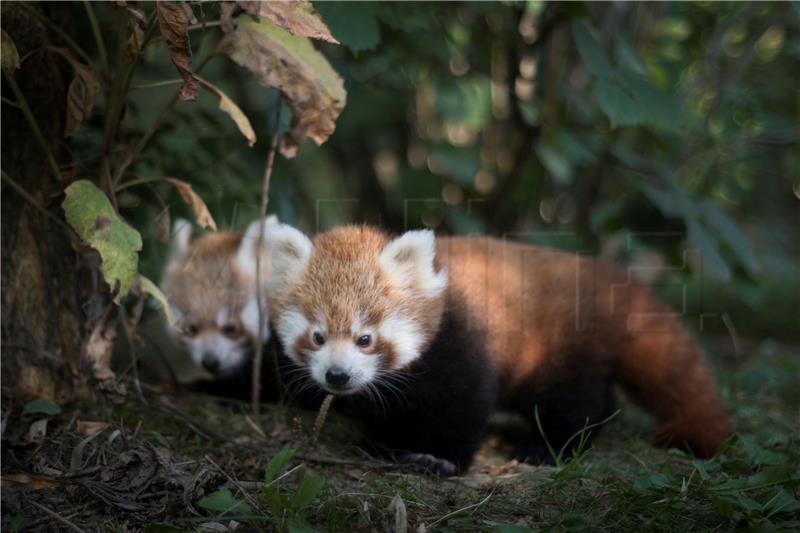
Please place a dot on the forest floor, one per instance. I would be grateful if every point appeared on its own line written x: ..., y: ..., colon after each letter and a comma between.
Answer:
x: 184, y: 462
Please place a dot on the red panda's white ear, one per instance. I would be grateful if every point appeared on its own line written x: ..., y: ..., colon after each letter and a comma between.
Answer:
x: 182, y: 234
x: 409, y: 262
x: 246, y: 254
x: 289, y: 251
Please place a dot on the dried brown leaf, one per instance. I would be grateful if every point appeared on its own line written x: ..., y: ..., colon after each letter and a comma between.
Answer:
x: 33, y: 482
x: 98, y: 347
x: 298, y: 17
x: 87, y: 428
x: 226, y: 16
x: 312, y: 88
x: 228, y: 106
x: 83, y: 91
x: 173, y: 22
x: 10, y: 56
x: 204, y: 218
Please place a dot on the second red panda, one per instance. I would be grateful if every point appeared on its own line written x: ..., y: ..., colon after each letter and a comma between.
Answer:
x: 422, y: 340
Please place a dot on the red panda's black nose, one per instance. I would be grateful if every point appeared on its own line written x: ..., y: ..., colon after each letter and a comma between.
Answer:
x: 210, y: 363
x: 337, y: 377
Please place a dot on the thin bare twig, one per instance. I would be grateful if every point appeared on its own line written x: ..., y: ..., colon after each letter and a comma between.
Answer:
x: 57, y: 517
x: 131, y: 156
x: 448, y: 516
x: 128, y: 325
x: 259, y: 354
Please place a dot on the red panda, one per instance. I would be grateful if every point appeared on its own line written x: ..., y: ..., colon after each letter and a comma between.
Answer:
x: 421, y: 340
x: 210, y: 284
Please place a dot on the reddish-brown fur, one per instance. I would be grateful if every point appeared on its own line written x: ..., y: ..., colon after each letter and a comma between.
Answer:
x: 206, y: 279
x: 541, y: 306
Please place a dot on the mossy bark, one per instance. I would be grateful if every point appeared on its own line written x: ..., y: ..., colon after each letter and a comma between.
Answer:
x: 42, y: 314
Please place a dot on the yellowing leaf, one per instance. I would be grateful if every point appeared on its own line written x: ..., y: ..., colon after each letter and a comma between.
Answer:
x: 173, y: 21
x: 152, y: 289
x: 312, y: 88
x: 228, y: 106
x: 298, y: 17
x: 91, y: 215
x: 10, y: 56
x: 82, y: 92
x: 197, y: 204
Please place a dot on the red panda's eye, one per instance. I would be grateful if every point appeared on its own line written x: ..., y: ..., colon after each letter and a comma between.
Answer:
x: 319, y: 340
x: 364, y: 341
x: 230, y: 330
x: 190, y: 330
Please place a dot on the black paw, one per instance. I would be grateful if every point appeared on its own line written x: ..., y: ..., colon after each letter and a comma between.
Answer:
x: 427, y: 463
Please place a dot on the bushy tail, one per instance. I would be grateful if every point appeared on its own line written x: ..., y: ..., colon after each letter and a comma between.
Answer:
x: 663, y: 369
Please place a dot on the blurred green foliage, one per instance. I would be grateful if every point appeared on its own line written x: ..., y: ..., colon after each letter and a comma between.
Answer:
x: 620, y: 129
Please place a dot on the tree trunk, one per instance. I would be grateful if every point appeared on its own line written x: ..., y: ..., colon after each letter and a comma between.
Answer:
x: 42, y: 315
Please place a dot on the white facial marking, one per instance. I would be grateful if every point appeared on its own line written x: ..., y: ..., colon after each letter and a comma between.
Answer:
x: 249, y: 319
x: 409, y: 261
x: 344, y: 354
x: 223, y: 316
x: 181, y: 237
x: 291, y: 324
x: 405, y: 336
x: 229, y: 354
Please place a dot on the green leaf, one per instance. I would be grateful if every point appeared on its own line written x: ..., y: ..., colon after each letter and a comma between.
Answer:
x: 307, y: 491
x: 619, y: 107
x: 91, y: 215
x: 555, y: 163
x: 733, y: 236
x: 460, y: 163
x: 672, y: 202
x: 44, y: 407
x: 466, y: 100
x: 768, y: 476
x: 276, y: 502
x: 277, y: 462
x: 297, y: 524
x: 223, y: 501
x: 592, y: 54
x: 354, y: 24
x: 781, y: 502
x: 709, y: 250
x: 658, y: 107
x: 627, y: 57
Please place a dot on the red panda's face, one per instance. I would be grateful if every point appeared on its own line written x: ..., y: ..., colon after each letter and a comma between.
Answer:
x: 354, y: 307
x: 210, y: 285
